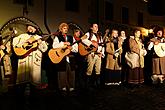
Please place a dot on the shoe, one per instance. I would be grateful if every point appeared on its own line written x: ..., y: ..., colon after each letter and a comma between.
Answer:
x: 154, y: 79
x: 64, y: 88
x: 107, y: 84
x: 161, y: 78
x: 71, y: 89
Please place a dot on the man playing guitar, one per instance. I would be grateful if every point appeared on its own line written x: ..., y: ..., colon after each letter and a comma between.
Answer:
x: 29, y: 66
x: 5, y: 61
x: 158, y: 67
x: 65, y: 68
x: 94, y: 57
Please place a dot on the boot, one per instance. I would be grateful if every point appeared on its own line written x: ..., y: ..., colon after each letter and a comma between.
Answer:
x: 88, y: 81
x: 98, y: 81
x: 154, y: 79
x: 161, y: 78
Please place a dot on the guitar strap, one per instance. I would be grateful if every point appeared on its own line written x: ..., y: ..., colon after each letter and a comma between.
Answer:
x: 97, y: 36
x: 90, y: 36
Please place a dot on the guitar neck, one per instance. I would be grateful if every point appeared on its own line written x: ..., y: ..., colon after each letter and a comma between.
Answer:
x: 103, y: 43
x: 44, y: 38
x: 7, y: 40
x: 76, y: 42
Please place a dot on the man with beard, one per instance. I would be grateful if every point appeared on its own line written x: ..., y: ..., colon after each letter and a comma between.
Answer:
x: 29, y: 63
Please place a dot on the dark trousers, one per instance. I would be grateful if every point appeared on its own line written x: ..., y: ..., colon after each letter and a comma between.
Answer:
x: 80, y: 74
x: 66, y: 78
x: 52, y: 77
x: 112, y: 76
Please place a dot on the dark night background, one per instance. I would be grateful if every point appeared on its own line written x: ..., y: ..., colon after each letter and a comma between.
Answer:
x: 113, y: 97
x: 156, y: 7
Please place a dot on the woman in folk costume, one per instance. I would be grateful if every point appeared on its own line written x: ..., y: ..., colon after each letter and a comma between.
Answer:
x: 113, y: 60
x: 137, y: 50
x: 158, y: 61
x: 29, y: 66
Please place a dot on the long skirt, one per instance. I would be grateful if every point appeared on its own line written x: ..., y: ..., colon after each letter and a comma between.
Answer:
x: 135, y: 76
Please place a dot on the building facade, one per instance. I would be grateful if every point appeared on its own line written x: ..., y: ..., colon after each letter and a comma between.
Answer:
x: 108, y: 13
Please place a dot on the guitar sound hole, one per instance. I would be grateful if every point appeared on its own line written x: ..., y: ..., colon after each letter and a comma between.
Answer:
x: 57, y: 54
x: 28, y: 47
x: 63, y: 50
x: 89, y: 49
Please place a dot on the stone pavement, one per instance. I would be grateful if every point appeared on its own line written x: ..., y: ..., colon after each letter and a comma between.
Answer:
x: 146, y: 97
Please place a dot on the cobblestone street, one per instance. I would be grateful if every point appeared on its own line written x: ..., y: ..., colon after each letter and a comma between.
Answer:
x: 147, y: 97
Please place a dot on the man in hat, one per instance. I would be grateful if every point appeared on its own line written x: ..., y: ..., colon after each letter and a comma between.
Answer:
x: 158, y: 67
x: 29, y: 65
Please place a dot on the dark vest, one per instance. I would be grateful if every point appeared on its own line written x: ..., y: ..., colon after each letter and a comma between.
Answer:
x: 69, y: 39
x: 62, y: 64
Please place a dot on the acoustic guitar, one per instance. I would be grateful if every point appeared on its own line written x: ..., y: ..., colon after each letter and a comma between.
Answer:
x: 57, y: 54
x: 28, y: 47
x: 85, y: 50
x: 160, y: 49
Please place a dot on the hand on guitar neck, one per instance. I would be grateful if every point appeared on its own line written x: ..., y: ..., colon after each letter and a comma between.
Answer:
x: 2, y: 53
x: 105, y: 38
x: 2, y: 47
x: 156, y: 41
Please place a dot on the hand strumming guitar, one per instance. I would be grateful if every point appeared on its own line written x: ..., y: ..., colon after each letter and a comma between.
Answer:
x: 66, y: 44
x: 94, y: 44
x: 100, y: 54
x: 156, y: 42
